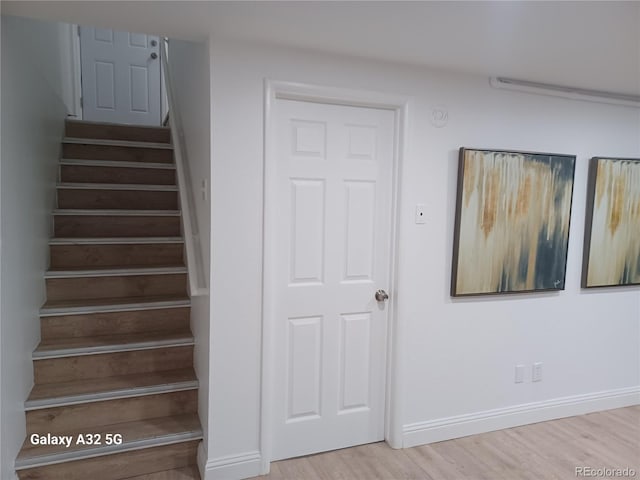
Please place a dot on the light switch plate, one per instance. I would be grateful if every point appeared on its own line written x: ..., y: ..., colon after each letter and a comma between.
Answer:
x: 536, y: 373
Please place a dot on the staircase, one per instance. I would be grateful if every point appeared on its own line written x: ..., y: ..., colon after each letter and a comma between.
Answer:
x: 113, y: 373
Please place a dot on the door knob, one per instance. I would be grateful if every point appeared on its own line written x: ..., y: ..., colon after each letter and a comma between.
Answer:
x: 381, y: 296
x: 154, y: 55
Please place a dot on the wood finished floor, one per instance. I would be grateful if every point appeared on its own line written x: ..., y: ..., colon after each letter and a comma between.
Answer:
x: 549, y: 450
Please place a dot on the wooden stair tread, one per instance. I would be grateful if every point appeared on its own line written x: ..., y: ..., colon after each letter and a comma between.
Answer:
x: 138, y: 434
x: 116, y: 143
x: 115, y: 131
x: 187, y: 473
x: 116, y: 186
x: 119, y: 465
x: 113, y: 240
x: 98, y: 270
x: 103, y: 304
x: 109, y: 343
x: 77, y: 121
x: 114, y: 212
x: 87, y: 162
x: 113, y: 386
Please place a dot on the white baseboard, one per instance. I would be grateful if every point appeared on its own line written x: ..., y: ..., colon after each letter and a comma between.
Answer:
x: 201, y: 459
x: 463, y: 425
x: 234, y: 467
x: 249, y: 464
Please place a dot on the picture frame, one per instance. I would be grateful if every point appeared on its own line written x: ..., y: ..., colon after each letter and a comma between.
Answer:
x: 512, y: 221
x: 611, y: 254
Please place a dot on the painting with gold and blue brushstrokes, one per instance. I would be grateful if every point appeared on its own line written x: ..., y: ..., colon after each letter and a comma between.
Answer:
x: 512, y: 222
x: 611, y: 255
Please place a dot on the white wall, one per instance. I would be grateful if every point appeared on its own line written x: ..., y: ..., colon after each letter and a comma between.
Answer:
x: 32, y: 125
x: 457, y: 356
x: 189, y: 70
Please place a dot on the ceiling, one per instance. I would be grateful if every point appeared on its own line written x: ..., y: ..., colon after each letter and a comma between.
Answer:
x: 594, y: 45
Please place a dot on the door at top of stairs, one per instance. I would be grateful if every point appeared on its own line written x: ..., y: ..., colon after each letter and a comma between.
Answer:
x: 120, y: 76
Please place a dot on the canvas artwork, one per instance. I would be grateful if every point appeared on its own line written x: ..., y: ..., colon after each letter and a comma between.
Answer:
x: 612, y: 228
x: 512, y: 222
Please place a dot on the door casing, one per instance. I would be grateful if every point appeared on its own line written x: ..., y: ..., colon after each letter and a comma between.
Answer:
x: 274, y: 90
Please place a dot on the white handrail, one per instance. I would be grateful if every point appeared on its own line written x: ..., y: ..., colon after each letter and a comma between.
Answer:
x: 193, y: 248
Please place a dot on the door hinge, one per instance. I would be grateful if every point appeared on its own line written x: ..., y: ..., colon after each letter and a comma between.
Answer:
x: 81, y: 102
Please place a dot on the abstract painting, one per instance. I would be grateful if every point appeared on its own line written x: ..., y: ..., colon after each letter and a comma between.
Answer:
x: 512, y: 222
x: 612, y: 228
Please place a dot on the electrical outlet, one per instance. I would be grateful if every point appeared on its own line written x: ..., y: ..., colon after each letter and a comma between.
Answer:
x: 536, y: 373
x: 519, y: 373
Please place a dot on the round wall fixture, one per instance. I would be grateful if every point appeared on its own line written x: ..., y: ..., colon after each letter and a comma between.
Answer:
x: 439, y: 116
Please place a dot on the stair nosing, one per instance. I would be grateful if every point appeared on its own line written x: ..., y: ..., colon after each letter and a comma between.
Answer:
x: 117, y: 143
x: 113, y: 240
x: 112, y: 308
x: 116, y: 394
x: 115, y: 163
x: 182, y: 341
x: 114, y: 272
x: 103, y: 450
x: 115, y: 213
x: 112, y: 124
x: 116, y: 186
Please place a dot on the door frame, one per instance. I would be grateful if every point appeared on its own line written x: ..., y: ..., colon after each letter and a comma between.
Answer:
x: 273, y: 91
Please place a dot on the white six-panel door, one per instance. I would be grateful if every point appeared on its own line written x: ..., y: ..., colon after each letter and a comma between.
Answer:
x: 120, y: 77
x: 334, y: 175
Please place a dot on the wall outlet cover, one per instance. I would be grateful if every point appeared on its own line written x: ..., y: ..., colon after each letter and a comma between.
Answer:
x: 536, y: 373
